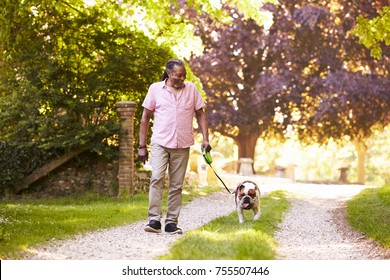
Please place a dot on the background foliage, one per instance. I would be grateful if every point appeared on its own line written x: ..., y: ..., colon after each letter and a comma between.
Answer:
x: 303, y: 76
x: 18, y: 160
x: 268, y: 68
x: 64, y: 66
x: 374, y: 32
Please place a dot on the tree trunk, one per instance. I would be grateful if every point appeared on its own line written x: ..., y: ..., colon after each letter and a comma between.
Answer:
x: 361, y: 149
x: 246, y: 142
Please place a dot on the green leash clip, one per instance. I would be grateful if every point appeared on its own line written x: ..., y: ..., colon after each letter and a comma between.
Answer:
x: 207, y: 157
x: 209, y: 160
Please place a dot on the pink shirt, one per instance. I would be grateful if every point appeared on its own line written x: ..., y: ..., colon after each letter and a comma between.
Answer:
x: 173, y: 115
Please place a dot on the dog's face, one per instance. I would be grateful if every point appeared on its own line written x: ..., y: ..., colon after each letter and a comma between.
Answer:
x: 247, y: 195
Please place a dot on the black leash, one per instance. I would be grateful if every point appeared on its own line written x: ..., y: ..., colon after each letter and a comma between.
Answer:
x: 219, y: 177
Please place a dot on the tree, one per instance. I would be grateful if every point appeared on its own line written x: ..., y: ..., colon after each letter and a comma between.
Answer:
x: 346, y: 95
x: 272, y: 81
x: 230, y: 93
x: 247, y: 72
x: 65, y: 64
x: 352, y: 107
x: 63, y: 69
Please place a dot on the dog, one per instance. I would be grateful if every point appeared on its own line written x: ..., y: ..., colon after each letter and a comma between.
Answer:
x: 247, y: 196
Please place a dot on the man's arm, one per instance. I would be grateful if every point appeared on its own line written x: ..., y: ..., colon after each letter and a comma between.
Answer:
x: 202, y: 122
x: 143, y: 131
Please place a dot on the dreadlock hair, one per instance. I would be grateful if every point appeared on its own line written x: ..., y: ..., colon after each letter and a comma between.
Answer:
x: 170, y: 65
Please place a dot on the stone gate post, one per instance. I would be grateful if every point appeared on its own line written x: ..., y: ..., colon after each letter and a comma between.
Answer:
x: 126, y: 110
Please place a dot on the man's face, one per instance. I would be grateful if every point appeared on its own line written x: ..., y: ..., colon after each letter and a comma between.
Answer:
x: 177, y: 76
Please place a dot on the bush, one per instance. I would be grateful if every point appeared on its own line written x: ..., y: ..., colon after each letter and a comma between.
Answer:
x: 18, y: 160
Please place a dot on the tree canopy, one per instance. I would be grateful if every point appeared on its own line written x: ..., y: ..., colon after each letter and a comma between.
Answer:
x: 267, y: 67
x: 241, y: 77
x: 340, y: 74
x: 374, y: 32
x: 64, y: 66
x: 306, y: 75
x: 293, y: 63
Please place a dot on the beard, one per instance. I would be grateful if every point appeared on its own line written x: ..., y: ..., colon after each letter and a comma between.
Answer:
x: 178, y: 84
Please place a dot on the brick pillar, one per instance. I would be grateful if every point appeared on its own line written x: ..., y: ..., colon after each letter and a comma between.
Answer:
x: 126, y: 111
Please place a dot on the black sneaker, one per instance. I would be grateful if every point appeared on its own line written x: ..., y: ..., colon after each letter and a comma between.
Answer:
x: 153, y: 226
x: 171, y: 228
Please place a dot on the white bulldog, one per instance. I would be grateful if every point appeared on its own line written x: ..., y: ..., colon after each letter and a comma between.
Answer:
x: 247, y: 196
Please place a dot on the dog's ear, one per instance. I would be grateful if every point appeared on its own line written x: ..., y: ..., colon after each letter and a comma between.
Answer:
x: 240, y: 188
x: 252, y: 193
x: 257, y: 188
x: 236, y: 194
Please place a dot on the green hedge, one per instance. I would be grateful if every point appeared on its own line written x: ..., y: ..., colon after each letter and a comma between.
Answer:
x: 18, y: 160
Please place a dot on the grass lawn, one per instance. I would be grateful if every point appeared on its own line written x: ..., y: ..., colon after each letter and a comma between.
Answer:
x: 225, y: 238
x: 369, y: 212
x: 28, y: 222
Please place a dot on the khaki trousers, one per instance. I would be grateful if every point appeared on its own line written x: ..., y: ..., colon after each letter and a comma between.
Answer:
x: 176, y: 161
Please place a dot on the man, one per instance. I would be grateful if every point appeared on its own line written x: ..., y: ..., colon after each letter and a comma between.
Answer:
x: 173, y: 102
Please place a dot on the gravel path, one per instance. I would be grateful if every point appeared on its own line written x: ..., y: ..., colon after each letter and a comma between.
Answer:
x: 131, y: 241
x: 314, y: 228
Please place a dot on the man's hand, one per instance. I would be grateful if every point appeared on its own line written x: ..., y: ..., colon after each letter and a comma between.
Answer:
x: 143, y: 155
x: 206, y: 146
